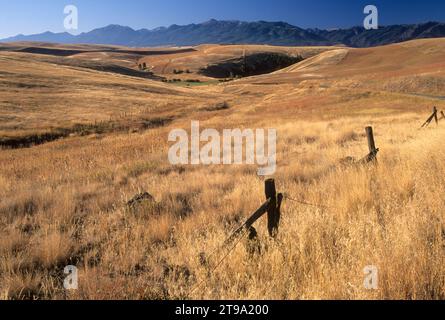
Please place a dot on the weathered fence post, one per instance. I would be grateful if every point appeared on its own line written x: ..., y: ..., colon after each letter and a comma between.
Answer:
x: 430, y: 119
x: 436, y: 118
x: 371, y: 141
x: 373, y: 151
x: 273, y: 212
x: 278, y: 213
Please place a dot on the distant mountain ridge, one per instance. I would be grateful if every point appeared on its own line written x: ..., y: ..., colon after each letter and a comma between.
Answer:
x: 239, y: 32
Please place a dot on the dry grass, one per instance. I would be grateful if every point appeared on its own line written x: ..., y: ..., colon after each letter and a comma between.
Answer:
x: 38, y: 95
x: 390, y: 216
x: 64, y: 202
x: 205, y: 55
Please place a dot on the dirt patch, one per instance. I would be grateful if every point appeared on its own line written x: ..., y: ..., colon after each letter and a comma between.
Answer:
x: 217, y: 107
x: 70, y: 52
x: 251, y: 65
x: 32, y: 140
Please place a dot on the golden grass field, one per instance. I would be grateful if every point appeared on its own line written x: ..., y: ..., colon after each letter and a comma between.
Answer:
x: 64, y: 202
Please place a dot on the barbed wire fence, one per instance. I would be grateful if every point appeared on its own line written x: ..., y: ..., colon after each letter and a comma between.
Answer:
x: 272, y: 206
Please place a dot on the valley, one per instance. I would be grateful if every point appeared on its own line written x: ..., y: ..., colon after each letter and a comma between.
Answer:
x: 84, y: 129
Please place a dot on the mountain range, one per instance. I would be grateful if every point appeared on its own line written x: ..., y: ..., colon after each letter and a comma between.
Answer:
x: 239, y: 32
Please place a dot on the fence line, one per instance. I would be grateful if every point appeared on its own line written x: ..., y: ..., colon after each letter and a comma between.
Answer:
x: 434, y: 117
x: 272, y: 205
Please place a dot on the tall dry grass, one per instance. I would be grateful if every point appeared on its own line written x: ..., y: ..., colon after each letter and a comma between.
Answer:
x: 64, y: 203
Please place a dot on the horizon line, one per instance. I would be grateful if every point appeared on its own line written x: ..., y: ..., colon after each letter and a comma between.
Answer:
x: 213, y: 20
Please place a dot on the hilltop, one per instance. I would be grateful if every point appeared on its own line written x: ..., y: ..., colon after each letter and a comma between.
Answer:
x: 36, y: 76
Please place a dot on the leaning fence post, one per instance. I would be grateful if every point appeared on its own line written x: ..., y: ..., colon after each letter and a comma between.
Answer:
x: 273, y: 214
x: 433, y: 116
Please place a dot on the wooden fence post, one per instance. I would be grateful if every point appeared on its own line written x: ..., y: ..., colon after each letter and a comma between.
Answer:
x: 371, y: 141
x: 273, y: 212
x: 249, y: 223
x: 278, y: 212
x: 373, y: 151
x: 430, y: 119
x: 435, y: 115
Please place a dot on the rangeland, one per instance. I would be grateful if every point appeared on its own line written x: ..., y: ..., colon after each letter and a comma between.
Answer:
x: 64, y: 202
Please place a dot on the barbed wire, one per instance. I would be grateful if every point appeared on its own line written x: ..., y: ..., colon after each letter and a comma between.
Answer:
x: 286, y: 196
x: 241, y: 237
x: 220, y: 262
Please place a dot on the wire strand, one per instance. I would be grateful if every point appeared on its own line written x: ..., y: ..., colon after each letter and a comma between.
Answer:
x: 306, y: 203
x: 221, y: 261
x: 241, y: 237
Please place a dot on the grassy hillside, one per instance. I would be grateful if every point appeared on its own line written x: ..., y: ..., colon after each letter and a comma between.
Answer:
x: 206, y: 55
x: 43, y: 94
x: 64, y: 202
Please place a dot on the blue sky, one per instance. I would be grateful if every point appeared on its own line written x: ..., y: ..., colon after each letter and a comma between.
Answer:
x: 30, y: 16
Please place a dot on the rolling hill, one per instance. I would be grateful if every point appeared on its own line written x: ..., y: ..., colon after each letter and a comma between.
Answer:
x: 203, y: 56
x: 82, y: 199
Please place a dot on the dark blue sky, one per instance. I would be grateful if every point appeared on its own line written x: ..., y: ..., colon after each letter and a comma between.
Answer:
x: 31, y: 16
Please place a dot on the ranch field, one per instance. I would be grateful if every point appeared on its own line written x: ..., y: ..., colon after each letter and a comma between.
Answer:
x: 84, y: 129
